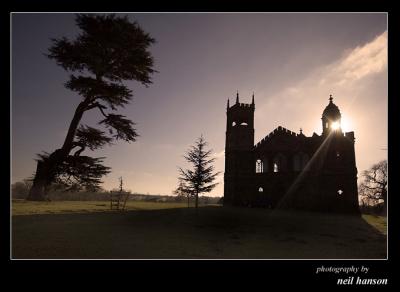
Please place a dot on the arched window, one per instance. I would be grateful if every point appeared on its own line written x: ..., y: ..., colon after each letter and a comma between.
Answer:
x: 279, y: 163
x: 259, y: 166
x: 260, y: 190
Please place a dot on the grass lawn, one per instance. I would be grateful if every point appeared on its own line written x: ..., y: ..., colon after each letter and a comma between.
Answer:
x: 170, y: 230
x: 22, y: 207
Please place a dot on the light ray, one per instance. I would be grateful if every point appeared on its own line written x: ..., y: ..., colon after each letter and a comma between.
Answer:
x: 315, y: 162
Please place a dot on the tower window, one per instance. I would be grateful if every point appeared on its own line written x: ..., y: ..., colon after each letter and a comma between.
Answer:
x: 259, y: 166
x: 260, y: 190
x: 340, y: 192
x: 337, y: 154
x: 233, y: 124
x: 279, y: 163
x: 244, y: 124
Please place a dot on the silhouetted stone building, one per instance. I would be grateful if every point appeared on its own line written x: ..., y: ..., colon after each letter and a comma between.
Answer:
x: 289, y: 170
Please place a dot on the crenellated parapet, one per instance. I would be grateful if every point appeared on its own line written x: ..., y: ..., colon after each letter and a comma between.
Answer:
x: 240, y: 106
x: 245, y: 105
x: 277, y: 131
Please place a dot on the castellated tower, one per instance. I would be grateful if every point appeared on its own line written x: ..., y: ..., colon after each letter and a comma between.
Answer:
x: 239, y: 144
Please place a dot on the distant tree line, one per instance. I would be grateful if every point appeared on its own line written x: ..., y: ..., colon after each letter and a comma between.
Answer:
x: 20, y: 190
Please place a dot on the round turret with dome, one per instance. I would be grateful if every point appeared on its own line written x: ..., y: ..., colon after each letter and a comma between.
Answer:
x: 331, y: 118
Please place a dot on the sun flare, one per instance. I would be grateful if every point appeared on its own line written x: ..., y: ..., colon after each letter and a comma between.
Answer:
x: 335, y: 125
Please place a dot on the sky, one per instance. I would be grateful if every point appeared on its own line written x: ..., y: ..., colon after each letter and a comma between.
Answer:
x: 291, y: 61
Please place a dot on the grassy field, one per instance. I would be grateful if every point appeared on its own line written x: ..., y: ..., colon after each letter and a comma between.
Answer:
x: 170, y: 230
x: 22, y: 207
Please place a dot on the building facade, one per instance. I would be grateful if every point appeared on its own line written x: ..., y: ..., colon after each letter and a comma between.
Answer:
x: 287, y: 169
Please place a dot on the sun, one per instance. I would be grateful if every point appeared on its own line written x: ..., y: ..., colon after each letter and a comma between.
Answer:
x: 335, y: 125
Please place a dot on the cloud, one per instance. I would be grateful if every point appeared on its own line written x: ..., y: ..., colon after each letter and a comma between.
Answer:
x: 345, y: 78
x: 358, y: 82
x: 300, y: 104
x: 361, y: 61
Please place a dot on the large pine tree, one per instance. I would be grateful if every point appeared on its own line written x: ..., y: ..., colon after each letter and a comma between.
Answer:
x: 109, y: 50
x: 200, y: 178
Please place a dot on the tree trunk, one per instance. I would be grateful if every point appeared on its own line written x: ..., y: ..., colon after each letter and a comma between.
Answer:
x: 44, y: 170
x: 384, y: 195
x: 197, y: 200
x: 69, y: 139
x: 188, y: 200
x: 38, y: 189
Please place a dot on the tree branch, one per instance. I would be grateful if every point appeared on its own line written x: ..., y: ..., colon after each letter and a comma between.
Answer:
x: 78, y: 152
x: 100, y: 107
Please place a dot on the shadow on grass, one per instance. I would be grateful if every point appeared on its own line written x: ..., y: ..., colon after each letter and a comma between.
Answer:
x: 212, y: 232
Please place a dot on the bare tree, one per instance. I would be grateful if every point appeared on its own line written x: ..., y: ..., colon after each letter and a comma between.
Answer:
x: 373, y: 188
